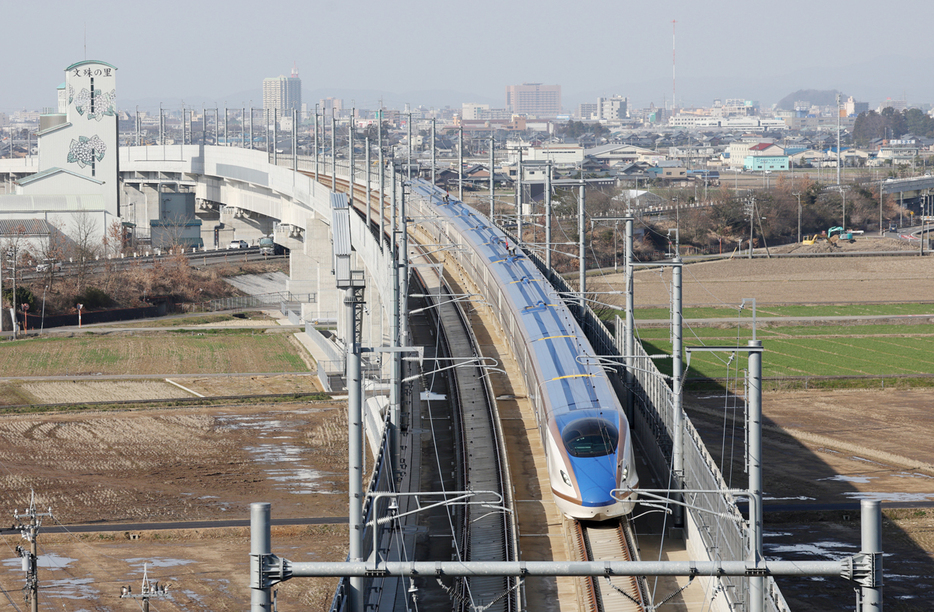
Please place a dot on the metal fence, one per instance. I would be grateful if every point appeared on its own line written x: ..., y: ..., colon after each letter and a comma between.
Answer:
x: 243, y: 302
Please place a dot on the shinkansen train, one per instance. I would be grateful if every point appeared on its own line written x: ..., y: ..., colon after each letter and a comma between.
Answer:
x: 583, y: 427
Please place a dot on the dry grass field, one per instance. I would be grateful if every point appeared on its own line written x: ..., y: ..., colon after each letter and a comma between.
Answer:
x: 783, y: 281
x: 152, y: 353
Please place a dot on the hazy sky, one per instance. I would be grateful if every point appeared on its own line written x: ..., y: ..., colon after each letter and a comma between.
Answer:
x: 220, y: 51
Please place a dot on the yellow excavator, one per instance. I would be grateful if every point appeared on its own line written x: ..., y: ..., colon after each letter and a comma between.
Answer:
x: 809, y: 240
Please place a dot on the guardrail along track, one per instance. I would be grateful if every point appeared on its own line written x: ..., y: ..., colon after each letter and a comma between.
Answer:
x: 608, y: 541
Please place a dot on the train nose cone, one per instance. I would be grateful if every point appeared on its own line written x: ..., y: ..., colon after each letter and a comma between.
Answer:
x: 595, y: 486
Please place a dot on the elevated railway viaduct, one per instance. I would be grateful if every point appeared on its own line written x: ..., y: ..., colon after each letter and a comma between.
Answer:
x: 288, y: 198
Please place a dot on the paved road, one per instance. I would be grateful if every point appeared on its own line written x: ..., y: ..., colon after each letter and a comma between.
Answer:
x: 219, y: 524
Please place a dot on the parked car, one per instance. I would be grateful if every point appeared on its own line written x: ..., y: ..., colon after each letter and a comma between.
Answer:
x: 49, y: 264
x: 238, y: 244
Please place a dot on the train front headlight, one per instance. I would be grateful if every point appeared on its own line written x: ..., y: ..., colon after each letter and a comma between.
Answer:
x: 565, y: 478
x: 625, y: 472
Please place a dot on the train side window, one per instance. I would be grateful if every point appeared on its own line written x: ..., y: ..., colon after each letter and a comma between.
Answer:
x: 590, y: 437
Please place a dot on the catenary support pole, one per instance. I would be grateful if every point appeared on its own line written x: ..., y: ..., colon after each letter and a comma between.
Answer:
x: 350, y: 156
x: 519, y: 200
x: 408, y: 168
x: 492, y: 179
x: 581, y: 253
x: 369, y: 199
x: 677, y: 371
x: 548, y: 217
x: 433, y: 169
x: 317, y: 170
x: 871, y: 531
x: 756, y: 583
x: 381, y: 178
x: 460, y: 164
x: 630, y: 340
x: 395, y: 370
x: 353, y: 301
x: 260, y: 548
x: 333, y: 151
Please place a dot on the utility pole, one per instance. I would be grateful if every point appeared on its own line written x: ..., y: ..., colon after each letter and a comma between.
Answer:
x: 30, y: 532
x: 147, y: 591
x: 751, y: 211
x: 838, y: 140
x: 797, y: 194
x: 881, y: 198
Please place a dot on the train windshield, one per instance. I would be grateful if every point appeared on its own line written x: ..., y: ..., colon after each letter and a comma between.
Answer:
x: 590, y: 437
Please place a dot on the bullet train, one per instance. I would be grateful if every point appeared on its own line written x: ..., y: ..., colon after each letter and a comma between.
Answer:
x: 584, y: 430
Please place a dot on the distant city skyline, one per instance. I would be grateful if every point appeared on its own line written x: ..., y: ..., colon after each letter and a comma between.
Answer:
x: 216, y: 54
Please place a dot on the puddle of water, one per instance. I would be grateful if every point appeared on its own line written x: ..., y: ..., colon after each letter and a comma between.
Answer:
x: 158, y: 562
x: 891, y: 497
x: 50, y: 561
x: 854, y: 479
x: 70, y: 588
x: 826, y: 548
x: 285, y: 461
x: 912, y: 475
x: 275, y: 453
x: 798, y: 498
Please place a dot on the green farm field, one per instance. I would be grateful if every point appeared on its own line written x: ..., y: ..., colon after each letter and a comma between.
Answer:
x: 807, y: 351
x: 228, y: 351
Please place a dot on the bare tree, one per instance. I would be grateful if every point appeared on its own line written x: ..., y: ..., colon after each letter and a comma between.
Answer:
x: 50, y: 254
x: 85, y: 248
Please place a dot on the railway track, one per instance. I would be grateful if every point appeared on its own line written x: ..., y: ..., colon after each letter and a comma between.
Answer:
x: 485, y: 534
x: 472, y: 442
x: 608, y: 541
